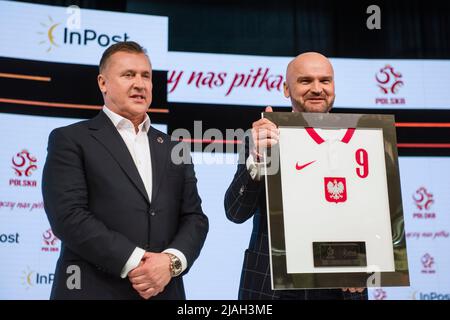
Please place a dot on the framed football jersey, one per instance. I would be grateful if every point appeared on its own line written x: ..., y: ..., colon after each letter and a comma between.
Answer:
x: 334, y: 202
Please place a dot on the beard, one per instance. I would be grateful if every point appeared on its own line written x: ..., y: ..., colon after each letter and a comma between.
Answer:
x: 300, y: 106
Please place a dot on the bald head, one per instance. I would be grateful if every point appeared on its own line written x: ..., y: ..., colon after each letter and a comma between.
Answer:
x: 310, y: 83
x: 310, y: 61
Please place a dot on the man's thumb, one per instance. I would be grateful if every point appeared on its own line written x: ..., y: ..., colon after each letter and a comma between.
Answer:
x: 268, y: 109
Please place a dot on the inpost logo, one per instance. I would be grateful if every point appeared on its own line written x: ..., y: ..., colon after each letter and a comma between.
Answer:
x: 31, y: 278
x: 48, y: 36
x: 9, y: 238
x: 417, y: 295
x: 56, y: 34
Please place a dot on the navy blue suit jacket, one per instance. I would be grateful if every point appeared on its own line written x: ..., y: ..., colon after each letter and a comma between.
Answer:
x: 97, y: 205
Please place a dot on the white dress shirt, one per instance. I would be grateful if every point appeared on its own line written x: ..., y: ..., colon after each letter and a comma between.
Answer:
x: 254, y: 168
x: 139, y: 148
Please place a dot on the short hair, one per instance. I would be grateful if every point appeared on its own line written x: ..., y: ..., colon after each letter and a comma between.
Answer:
x: 125, y: 46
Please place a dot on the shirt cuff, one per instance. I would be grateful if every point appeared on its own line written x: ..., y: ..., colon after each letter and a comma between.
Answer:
x: 180, y: 256
x: 133, y: 261
x: 255, y: 169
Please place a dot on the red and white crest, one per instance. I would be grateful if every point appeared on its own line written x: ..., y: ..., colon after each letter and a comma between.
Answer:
x: 423, y: 198
x: 335, y: 189
x: 389, y: 81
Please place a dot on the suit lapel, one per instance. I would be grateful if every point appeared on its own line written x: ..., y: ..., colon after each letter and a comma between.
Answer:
x: 159, y: 152
x: 103, y: 130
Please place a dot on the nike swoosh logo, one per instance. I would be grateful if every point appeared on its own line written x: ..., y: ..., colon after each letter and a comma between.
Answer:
x: 303, y: 166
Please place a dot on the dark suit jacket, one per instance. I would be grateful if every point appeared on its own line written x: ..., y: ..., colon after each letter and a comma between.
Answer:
x: 245, y: 198
x: 97, y: 205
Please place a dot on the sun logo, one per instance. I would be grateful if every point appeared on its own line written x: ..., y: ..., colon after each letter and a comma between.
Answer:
x: 26, y: 278
x: 50, y: 27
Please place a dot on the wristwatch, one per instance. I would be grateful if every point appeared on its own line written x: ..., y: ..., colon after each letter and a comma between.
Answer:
x: 175, y: 265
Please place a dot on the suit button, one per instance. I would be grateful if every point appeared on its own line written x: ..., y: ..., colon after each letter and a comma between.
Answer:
x: 152, y: 213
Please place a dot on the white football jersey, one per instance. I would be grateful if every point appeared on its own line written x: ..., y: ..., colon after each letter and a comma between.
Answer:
x: 334, y: 189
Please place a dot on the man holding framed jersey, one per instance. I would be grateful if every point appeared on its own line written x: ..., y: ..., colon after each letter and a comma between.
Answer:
x: 310, y: 86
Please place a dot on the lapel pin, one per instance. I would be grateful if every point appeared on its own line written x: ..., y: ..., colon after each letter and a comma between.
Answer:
x: 160, y: 140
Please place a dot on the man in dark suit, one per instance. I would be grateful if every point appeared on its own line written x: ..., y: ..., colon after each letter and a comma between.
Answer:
x: 129, y: 217
x: 310, y: 86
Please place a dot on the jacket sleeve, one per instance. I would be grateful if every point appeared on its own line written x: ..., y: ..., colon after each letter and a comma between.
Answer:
x: 242, y: 196
x: 65, y: 193
x: 193, y: 224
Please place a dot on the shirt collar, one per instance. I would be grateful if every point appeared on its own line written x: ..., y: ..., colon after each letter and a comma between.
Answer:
x: 121, y: 122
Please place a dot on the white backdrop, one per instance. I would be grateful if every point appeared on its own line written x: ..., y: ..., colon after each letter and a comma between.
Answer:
x: 250, y: 80
x: 28, y: 254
